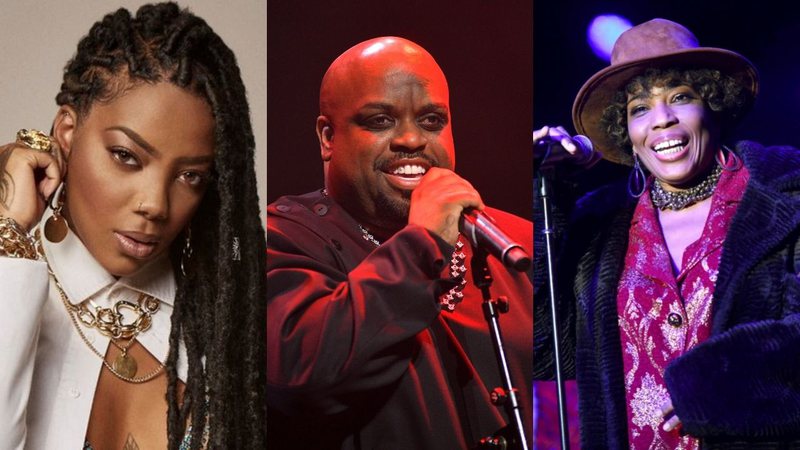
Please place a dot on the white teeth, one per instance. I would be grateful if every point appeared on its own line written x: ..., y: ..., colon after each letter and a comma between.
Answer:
x: 669, y: 147
x: 409, y: 169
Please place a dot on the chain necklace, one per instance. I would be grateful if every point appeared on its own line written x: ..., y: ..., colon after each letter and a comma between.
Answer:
x: 124, y: 366
x: 677, y: 200
x: 368, y: 236
x: 458, y: 268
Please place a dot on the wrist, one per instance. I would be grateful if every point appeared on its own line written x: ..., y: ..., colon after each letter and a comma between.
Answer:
x: 15, y: 241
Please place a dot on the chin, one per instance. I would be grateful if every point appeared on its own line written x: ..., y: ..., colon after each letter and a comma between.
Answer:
x: 395, y: 208
x: 122, y: 266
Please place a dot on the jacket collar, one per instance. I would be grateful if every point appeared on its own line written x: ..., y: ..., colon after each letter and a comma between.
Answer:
x: 82, y: 277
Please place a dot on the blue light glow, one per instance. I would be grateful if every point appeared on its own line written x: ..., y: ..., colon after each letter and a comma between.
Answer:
x: 603, y: 32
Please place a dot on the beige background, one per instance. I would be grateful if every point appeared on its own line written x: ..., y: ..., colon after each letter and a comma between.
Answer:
x: 38, y: 37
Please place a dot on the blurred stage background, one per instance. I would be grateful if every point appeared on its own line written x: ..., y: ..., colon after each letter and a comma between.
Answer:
x: 765, y: 32
x: 484, y: 48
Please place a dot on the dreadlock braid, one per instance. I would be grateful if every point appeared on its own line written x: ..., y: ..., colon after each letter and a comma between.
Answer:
x: 220, y: 304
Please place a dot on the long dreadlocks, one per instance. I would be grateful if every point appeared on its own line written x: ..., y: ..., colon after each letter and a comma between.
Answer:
x: 220, y: 304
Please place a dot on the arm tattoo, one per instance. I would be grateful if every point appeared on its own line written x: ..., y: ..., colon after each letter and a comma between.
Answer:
x: 5, y: 177
x: 130, y: 443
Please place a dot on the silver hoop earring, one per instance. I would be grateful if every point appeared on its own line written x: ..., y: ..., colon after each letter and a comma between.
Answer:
x: 637, y: 182
x: 186, y: 254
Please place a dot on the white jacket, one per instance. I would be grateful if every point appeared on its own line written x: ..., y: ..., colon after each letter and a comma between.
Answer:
x: 48, y: 374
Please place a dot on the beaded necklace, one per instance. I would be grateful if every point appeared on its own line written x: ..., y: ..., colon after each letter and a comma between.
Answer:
x: 677, y: 200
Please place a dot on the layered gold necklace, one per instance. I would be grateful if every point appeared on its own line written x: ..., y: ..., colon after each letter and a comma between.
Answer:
x: 110, y: 323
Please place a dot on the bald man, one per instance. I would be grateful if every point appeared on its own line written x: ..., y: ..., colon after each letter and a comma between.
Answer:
x: 376, y: 337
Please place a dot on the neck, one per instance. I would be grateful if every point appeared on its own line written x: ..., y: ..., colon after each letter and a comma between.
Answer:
x: 381, y: 233
x: 694, y: 182
x: 678, y: 199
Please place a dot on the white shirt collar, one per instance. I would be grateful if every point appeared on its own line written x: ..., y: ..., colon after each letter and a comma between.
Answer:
x: 82, y: 277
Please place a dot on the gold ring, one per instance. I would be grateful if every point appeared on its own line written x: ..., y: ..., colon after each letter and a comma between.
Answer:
x: 35, y: 140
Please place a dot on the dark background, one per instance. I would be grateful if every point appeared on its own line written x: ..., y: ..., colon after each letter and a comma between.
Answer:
x: 765, y: 32
x: 484, y: 48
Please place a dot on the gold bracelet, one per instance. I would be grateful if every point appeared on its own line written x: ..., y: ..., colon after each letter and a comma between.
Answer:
x: 14, y: 241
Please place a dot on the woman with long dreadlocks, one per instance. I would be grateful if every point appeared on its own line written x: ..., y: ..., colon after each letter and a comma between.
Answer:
x: 132, y: 252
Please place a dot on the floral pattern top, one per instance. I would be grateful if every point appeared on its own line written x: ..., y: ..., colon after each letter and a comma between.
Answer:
x: 662, y: 315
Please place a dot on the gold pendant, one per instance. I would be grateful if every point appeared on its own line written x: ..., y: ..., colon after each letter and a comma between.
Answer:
x: 125, y: 365
x: 55, y: 229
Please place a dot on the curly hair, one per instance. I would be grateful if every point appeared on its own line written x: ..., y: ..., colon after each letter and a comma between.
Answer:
x: 220, y: 304
x: 723, y: 94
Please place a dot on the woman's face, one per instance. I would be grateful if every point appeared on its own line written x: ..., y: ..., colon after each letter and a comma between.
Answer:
x: 137, y: 170
x: 673, y: 132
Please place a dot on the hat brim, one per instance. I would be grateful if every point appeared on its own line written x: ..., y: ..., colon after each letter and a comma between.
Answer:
x: 598, y: 92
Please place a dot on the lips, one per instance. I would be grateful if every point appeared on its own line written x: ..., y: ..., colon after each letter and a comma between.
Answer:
x: 405, y: 174
x: 136, y: 245
x: 669, y: 149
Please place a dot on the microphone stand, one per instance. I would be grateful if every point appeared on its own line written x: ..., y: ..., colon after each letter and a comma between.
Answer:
x: 549, y: 231
x: 507, y: 394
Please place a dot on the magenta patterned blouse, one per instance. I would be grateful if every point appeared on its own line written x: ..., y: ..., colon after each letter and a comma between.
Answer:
x: 661, y: 315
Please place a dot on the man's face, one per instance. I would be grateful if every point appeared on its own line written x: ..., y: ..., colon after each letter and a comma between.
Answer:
x: 390, y: 126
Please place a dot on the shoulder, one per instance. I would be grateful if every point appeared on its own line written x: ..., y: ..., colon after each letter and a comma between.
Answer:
x: 778, y: 166
x: 516, y: 227
x: 308, y: 219
x: 290, y: 205
x: 312, y: 210
x: 511, y: 220
x: 604, y: 202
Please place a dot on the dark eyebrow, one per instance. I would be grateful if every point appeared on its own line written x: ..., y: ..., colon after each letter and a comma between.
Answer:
x: 431, y: 107
x: 640, y: 96
x: 435, y: 107
x: 377, y: 105
x: 141, y: 142
x: 134, y: 136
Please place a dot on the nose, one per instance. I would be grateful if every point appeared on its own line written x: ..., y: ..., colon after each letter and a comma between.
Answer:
x: 408, y: 138
x: 152, y: 200
x: 663, y: 116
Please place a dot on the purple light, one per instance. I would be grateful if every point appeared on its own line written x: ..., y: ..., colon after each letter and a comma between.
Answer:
x: 603, y: 32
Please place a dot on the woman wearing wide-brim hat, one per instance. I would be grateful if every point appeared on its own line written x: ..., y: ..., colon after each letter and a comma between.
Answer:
x: 680, y: 291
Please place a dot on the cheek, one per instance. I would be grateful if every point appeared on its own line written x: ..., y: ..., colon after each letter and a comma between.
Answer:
x: 92, y: 185
x: 183, y: 208
x: 445, y: 141
x: 357, y: 152
x: 635, y: 134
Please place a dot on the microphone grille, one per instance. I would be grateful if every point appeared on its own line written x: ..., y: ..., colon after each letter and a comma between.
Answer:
x: 583, y: 142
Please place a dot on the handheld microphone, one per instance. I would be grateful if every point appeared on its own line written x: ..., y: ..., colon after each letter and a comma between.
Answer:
x: 483, y: 233
x: 583, y: 144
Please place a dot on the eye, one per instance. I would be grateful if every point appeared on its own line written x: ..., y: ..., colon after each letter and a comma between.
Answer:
x: 681, y: 97
x: 194, y: 178
x: 636, y: 110
x: 432, y: 122
x: 379, y: 122
x: 124, y: 156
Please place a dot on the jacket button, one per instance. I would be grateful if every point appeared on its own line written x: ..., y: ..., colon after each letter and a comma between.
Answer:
x: 674, y: 319
x: 320, y: 209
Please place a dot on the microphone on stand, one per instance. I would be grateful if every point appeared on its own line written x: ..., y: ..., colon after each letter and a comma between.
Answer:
x: 583, y: 144
x: 482, y: 232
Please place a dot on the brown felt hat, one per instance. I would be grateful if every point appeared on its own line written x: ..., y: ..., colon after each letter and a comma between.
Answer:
x: 655, y: 44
